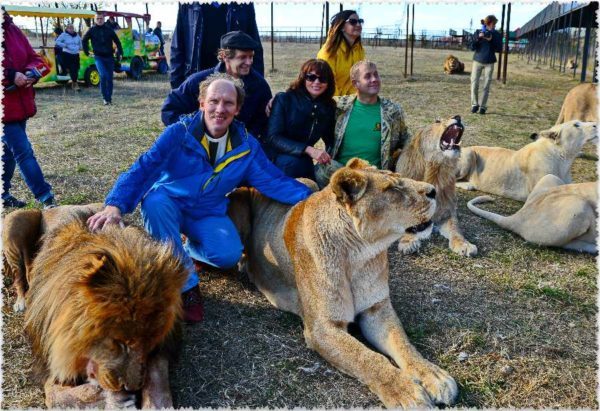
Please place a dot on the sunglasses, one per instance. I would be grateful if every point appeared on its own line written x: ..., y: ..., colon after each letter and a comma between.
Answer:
x: 313, y: 77
x: 354, y: 22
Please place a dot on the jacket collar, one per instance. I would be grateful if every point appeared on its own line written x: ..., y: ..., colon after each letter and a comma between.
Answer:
x: 237, y: 133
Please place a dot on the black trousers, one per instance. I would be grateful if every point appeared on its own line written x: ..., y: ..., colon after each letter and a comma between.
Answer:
x: 70, y: 62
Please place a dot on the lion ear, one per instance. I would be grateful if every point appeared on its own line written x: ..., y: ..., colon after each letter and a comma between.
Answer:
x: 358, y: 164
x: 552, y: 135
x: 348, y: 185
x: 92, y: 269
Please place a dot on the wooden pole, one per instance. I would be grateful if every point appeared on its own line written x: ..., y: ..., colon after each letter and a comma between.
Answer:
x: 578, y: 41
x: 341, y: 7
x: 406, y: 43
x: 500, y: 54
x: 326, y: 18
x: 272, y: 42
x: 586, y: 47
x: 412, y: 39
x: 507, y: 35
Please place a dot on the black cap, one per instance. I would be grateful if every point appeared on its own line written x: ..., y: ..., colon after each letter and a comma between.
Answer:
x: 238, y: 40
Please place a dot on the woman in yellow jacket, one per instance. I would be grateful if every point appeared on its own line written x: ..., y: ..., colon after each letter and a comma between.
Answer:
x: 343, y: 48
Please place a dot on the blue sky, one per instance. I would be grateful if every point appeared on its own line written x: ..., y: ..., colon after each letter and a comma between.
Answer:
x: 428, y: 16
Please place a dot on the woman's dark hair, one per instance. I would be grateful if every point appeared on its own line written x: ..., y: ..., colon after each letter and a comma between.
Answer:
x: 335, y: 36
x: 320, y: 68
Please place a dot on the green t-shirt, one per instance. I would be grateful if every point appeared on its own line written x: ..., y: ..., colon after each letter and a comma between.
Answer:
x: 362, y: 137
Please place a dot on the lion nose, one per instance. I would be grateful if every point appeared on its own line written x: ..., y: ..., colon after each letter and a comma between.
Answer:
x: 431, y: 194
x: 457, y: 118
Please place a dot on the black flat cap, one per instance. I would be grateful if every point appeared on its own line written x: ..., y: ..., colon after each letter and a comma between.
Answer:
x: 238, y: 40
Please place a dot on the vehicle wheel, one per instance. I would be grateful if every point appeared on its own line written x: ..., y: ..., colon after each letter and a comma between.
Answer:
x: 91, y: 76
x: 135, y: 68
x: 163, y: 67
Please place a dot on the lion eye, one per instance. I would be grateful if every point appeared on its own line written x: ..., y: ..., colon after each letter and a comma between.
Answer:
x: 576, y: 125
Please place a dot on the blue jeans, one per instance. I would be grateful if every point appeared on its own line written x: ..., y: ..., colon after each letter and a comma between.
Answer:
x: 18, y: 151
x: 213, y: 240
x: 106, y: 67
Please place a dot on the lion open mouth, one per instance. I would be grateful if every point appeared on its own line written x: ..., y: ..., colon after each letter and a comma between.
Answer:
x: 451, y: 138
x: 419, y: 227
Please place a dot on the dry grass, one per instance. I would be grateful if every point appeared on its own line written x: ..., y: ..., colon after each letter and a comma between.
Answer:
x: 524, y: 314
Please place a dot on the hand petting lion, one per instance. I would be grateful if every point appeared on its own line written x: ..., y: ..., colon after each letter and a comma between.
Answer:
x: 103, y: 309
x: 513, y: 174
x: 325, y: 259
x: 431, y: 156
x: 555, y: 215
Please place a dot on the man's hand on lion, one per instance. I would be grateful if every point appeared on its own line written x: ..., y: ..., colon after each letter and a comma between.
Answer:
x: 110, y: 215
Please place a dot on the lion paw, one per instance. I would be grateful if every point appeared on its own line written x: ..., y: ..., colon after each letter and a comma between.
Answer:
x: 465, y: 186
x: 440, y: 385
x: 408, y: 245
x: 119, y: 399
x: 403, y: 392
x: 19, y: 305
x: 464, y: 248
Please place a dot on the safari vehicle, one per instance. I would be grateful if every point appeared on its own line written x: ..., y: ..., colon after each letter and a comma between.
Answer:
x: 87, y: 67
x: 140, y: 52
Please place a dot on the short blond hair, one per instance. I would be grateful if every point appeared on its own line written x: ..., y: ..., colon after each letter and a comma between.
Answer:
x: 237, y: 83
x: 356, y: 67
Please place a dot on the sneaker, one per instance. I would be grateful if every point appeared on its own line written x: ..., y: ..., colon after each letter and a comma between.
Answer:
x: 10, y: 201
x: 107, y: 102
x: 482, y: 110
x: 193, y: 305
x: 49, y: 203
x: 474, y: 109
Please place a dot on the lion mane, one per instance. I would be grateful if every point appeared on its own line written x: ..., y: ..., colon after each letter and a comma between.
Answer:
x: 105, y: 301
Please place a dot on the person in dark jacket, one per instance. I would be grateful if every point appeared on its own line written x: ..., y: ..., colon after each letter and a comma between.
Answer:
x: 184, y: 178
x: 236, y: 59
x: 486, y: 43
x: 197, y: 33
x: 103, y: 37
x: 302, y: 116
x: 19, y: 105
x: 159, y: 34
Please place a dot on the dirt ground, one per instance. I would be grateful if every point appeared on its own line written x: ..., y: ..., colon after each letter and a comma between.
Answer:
x: 515, y: 326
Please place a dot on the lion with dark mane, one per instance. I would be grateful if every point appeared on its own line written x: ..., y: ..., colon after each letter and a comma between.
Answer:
x: 453, y: 65
x: 103, y: 312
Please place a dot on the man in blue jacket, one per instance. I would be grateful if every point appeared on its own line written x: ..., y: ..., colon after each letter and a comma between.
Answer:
x: 183, y: 179
x: 198, y: 30
x: 486, y: 43
x: 236, y: 56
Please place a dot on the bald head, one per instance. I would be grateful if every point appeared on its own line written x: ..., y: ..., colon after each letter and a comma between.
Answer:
x: 221, y: 98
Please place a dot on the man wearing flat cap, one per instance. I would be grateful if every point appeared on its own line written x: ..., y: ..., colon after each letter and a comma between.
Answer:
x: 235, y: 58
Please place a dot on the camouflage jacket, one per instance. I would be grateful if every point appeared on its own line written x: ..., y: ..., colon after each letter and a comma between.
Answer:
x: 394, y: 133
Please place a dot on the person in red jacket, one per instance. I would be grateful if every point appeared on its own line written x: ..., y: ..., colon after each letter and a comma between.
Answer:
x: 20, y: 61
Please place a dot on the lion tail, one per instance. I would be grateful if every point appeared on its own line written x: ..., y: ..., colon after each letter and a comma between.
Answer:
x: 496, y: 218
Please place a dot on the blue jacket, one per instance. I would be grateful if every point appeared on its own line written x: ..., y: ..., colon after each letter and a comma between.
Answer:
x: 485, y: 51
x: 187, y: 37
x: 178, y: 163
x: 184, y: 100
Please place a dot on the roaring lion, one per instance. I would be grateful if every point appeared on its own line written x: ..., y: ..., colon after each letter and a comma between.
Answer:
x: 453, y: 65
x: 513, y: 174
x: 581, y: 103
x: 103, y: 310
x: 325, y: 259
x: 431, y: 156
x: 555, y: 215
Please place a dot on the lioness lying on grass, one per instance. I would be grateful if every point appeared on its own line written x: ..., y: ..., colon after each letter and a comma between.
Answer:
x: 513, y: 174
x: 555, y: 214
x: 325, y: 259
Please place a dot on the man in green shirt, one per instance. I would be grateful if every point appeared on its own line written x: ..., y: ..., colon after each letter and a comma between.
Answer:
x: 367, y: 126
